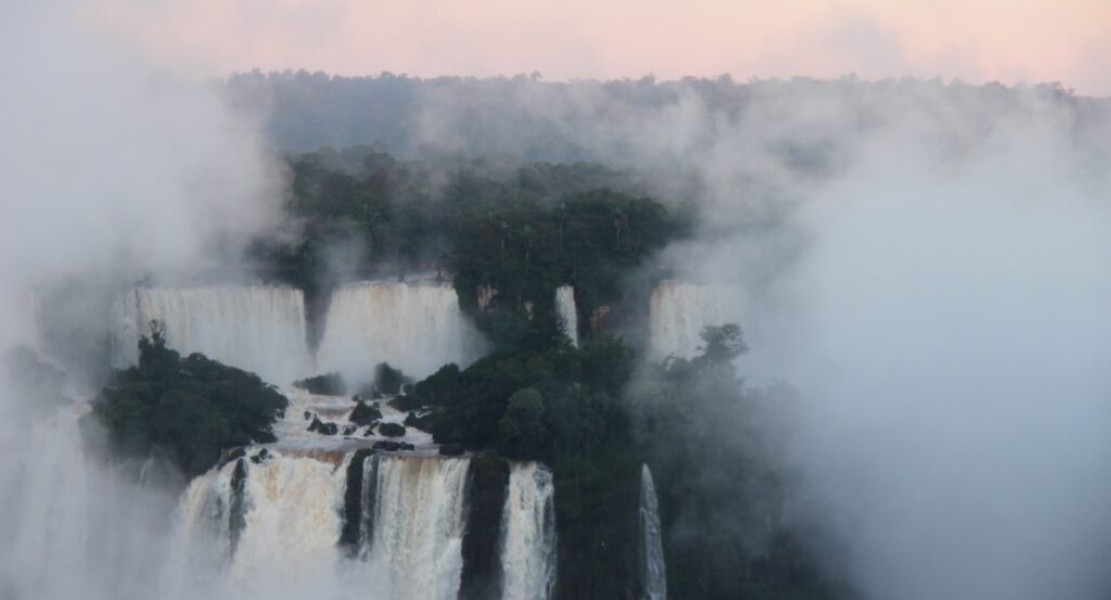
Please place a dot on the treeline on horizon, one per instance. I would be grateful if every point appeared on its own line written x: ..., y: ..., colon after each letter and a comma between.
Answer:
x: 535, y: 120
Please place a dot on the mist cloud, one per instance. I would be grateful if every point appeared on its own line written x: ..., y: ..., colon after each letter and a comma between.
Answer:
x: 107, y: 161
x: 109, y: 170
x: 927, y: 264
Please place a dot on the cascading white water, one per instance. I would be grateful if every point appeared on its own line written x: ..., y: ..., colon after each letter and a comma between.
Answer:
x: 256, y: 328
x: 416, y: 546
x: 71, y: 527
x: 416, y: 327
x: 47, y: 525
x: 653, y: 570
x: 568, y: 316
x: 528, y: 534
x: 680, y: 310
x: 291, y: 519
x: 290, y: 523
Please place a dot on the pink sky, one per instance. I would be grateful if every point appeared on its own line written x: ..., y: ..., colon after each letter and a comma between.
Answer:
x: 1067, y: 41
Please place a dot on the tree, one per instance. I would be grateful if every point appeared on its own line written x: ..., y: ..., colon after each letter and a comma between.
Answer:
x: 190, y: 409
x: 721, y: 345
x: 523, y: 434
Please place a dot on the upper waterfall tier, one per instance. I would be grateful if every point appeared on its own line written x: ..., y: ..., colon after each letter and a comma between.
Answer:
x: 679, y: 311
x: 416, y: 327
x: 257, y: 328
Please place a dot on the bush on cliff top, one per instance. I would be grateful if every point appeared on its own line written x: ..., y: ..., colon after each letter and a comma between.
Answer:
x: 189, y: 409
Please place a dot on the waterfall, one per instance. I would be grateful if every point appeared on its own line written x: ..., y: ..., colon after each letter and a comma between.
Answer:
x: 653, y: 571
x: 416, y: 546
x: 679, y: 311
x: 416, y: 327
x: 256, y: 328
x: 46, y: 526
x: 568, y: 316
x: 284, y: 535
x: 69, y: 526
x: 528, y: 534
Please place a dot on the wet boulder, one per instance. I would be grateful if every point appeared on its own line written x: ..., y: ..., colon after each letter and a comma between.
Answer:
x: 364, y: 414
x: 451, y: 450
x: 323, y: 428
x: 391, y: 429
x: 261, y: 456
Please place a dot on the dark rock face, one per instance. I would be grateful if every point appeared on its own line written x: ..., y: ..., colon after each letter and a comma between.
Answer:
x: 452, y: 450
x: 390, y: 446
x: 237, y: 513
x: 230, y: 456
x: 364, y: 414
x: 308, y: 415
x: 352, y: 537
x: 391, y: 429
x: 323, y: 428
x: 261, y: 456
x: 350, y: 429
x: 487, y: 486
x: 329, y: 384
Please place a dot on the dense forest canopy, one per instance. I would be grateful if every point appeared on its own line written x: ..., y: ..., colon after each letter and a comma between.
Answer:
x: 520, y: 229
x: 189, y: 410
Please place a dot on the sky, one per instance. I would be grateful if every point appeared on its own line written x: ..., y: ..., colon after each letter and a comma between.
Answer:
x: 1010, y: 41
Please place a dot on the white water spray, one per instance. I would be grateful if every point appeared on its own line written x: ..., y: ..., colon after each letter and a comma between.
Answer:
x: 653, y: 568
x: 256, y: 328
x: 416, y: 548
x: 416, y: 327
x: 568, y: 315
x: 680, y: 310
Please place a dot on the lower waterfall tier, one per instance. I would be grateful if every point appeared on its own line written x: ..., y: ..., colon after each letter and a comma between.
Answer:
x: 270, y: 522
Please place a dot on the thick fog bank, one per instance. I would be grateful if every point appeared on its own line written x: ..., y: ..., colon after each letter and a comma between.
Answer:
x: 952, y: 353
x: 940, y: 296
x: 109, y: 170
x: 927, y: 264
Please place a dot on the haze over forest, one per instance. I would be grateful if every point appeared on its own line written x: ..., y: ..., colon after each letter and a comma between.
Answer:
x: 286, y: 333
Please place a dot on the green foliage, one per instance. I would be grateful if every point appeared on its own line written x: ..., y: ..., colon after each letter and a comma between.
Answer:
x: 521, y: 428
x: 521, y: 229
x: 563, y: 406
x: 190, y: 409
x: 715, y: 448
x: 721, y: 344
x: 388, y: 380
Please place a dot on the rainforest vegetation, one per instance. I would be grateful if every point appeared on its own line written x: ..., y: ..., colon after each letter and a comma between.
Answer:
x: 507, y: 234
x: 188, y: 410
